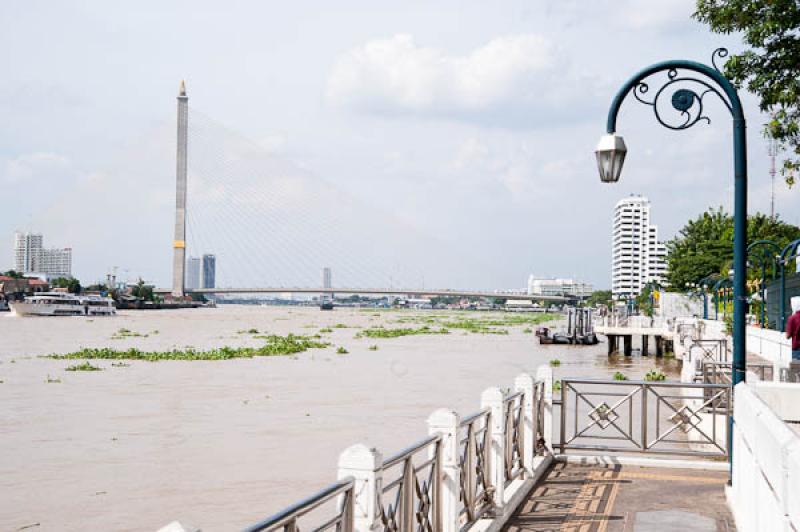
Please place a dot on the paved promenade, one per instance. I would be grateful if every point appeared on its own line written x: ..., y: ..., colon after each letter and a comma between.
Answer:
x: 594, y: 498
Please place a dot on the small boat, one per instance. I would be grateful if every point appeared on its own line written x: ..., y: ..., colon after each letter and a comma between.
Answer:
x: 326, y: 305
x: 543, y: 333
x: 63, y: 304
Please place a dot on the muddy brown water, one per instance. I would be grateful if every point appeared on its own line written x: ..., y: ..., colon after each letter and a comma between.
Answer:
x: 221, y: 444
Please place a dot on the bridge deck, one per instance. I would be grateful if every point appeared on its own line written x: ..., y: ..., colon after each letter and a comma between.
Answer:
x: 625, y: 499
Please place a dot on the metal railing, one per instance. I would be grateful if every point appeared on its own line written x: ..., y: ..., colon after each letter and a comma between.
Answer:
x: 714, y: 372
x: 644, y: 417
x: 415, y: 505
x: 287, y: 519
x: 686, y: 330
x: 476, y: 489
x: 514, y: 460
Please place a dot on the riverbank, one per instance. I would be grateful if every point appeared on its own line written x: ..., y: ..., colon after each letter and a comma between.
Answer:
x: 222, y: 443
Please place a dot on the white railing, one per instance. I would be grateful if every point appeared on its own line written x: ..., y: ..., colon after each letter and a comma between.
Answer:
x: 465, y: 470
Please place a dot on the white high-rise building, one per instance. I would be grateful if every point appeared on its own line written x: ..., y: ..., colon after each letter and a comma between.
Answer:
x: 637, y: 255
x: 30, y: 256
x: 193, y: 273
x: 326, y: 278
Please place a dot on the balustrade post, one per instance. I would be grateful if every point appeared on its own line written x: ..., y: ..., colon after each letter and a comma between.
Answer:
x: 545, y: 373
x: 524, y: 383
x: 447, y: 488
x: 492, y: 398
x: 364, y: 465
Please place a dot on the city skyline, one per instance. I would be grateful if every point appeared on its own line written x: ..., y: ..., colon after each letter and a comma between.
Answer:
x: 515, y: 149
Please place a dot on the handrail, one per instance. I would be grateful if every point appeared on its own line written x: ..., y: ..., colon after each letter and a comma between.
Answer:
x: 472, y: 417
x: 667, y: 384
x: 303, y: 507
x: 408, y: 451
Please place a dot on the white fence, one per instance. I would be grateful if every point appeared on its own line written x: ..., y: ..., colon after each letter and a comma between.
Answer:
x: 765, y: 491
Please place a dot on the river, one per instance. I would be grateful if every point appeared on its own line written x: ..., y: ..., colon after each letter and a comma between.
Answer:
x: 220, y: 444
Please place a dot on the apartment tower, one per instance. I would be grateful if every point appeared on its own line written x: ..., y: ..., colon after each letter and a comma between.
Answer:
x: 637, y: 255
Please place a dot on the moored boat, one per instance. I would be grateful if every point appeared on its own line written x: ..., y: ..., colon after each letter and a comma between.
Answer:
x: 63, y: 304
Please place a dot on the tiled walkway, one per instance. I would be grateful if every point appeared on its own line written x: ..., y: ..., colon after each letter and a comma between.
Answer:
x: 625, y: 499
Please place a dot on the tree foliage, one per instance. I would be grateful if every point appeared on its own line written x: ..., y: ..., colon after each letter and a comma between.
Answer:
x: 769, y: 67
x: 599, y: 297
x: 705, y: 245
x: 72, y: 285
x: 142, y: 290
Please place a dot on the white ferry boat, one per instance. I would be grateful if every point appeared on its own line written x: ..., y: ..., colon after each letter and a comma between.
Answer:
x: 62, y: 304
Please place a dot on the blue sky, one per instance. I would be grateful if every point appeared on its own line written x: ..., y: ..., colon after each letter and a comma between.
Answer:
x: 470, y: 124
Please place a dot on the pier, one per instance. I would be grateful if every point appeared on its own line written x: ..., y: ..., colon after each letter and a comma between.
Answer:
x: 621, y: 332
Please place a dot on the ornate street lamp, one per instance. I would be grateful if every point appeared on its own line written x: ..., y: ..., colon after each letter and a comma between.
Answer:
x: 685, y: 92
x: 770, y: 253
x: 788, y: 253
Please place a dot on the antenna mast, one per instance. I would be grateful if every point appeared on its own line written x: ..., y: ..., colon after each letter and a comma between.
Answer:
x: 773, y: 152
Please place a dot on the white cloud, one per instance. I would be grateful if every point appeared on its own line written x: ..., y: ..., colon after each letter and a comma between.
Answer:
x: 36, y: 165
x: 496, y: 81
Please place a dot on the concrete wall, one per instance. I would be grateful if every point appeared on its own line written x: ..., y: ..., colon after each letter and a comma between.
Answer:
x: 765, y: 491
x: 674, y: 305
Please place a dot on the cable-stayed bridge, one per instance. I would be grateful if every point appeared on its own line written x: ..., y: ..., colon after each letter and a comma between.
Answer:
x: 273, y: 227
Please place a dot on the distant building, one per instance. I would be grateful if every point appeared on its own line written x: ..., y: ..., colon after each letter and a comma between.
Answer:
x: 209, y: 274
x: 558, y: 287
x: 326, y: 278
x: 30, y: 256
x: 193, y: 268
x: 637, y: 255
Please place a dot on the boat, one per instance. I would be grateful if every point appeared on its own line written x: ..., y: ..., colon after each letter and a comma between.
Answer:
x: 63, y: 304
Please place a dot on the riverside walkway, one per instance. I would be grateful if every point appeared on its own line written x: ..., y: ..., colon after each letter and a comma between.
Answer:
x: 616, y: 498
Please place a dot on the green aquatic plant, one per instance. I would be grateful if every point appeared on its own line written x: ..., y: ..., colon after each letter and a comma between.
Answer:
x: 556, y: 386
x: 373, y: 347
x: 127, y: 333
x: 619, y: 376
x: 326, y: 330
x: 554, y: 363
x: 527, y: 330
x: 381, y: 332
x: 52, y: 381
x: 341, y: 351
x: 275, y: 345
x: 86, y: 366
x: 655, y: 375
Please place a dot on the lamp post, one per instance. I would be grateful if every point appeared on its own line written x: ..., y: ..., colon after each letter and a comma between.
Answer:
x: 770, y: 252
x: 705, y: 283
x: 686, y: 91
x: 788, y: 253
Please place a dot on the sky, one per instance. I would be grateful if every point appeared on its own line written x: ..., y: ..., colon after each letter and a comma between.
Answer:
x: 455, y: 138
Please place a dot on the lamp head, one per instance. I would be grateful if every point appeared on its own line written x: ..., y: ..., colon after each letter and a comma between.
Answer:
x: 610, y: 155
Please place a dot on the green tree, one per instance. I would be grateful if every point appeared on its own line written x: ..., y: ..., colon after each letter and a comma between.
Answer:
x: 705, y: 245
x: 599, y: 297
x: 770, y: 65
x: 142, y: 290
x: 72, y: 285
x: 13, y: 274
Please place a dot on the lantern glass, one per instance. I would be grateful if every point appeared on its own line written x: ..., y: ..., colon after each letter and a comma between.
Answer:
x: 610, y: 153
